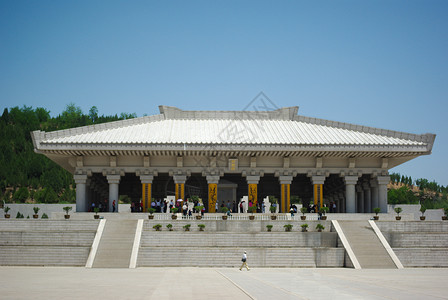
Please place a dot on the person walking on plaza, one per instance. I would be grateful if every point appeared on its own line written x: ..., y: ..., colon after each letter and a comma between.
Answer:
x: 244, y: 260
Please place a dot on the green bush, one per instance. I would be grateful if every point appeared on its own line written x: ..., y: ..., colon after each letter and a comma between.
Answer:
x: 21, y: 195
x: 44, y: 216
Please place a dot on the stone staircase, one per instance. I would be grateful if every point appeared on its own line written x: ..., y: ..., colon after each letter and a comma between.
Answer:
x: 115, y: 247
x: 366, y: 245
x: 418, y: 243
x: 215, y: 248
x: 45, y: 242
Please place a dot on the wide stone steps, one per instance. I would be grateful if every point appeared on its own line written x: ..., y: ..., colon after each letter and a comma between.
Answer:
x: 46, y: 242
x: 366, y: 246
x: 418, y: 240
x: 423, y: 257
x: 43, y: 256
x: 51, y: 238
x: 221, y: 239
x: 231, y: 257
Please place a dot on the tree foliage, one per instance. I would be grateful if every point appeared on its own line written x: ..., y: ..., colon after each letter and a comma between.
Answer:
x: 24, y: 170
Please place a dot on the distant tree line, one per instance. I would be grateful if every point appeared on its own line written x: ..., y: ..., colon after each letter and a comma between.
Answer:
x: 429, y: 194
x: 27, y: 176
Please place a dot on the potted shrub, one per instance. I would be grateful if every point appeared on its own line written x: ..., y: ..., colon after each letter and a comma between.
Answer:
x: 36, y: 210
x: 398, y: 210
x: 174, y: 212
x: 170, y: 227
x: 199, y: 209
x: 187, y: 227
x: 157, y: 227
x: 44, y: 216
x: 252, y: 210
x: 323, y: 210
x: 445, y: 217
x: 67, y: 209
x: 269, y: 227
x: 224, y: 210
x: 376, y: 210
x: 7, y: 209
x: 96, y: 215
x: 422, y: 210
x: 288, y: 227
x: 273, y: 209
x: 303, y: 210
x: 151, y: 210
x: 320, y: 227
x: 304, y: 227
x: 201, y: 227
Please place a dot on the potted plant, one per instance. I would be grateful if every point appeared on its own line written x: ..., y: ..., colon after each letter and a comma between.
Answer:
x: 67, y: 209
x: 304, y: 227
x: 174, y: 212
x: 288, y: 227
x: 96, y: 215
x: 445, y: 217
x: 7, y: 209
x: 303, y: 210
x: 157, y: 227
x: 44, y: 216
x: 398, y: 210
x: 201, y: 227
x: 170, y: 227
x: 36, y: 210
x: 252, y: 209
x: 224, y: 210
x: 269, y: 227
x: 199, y: 210
x: 422, y: 210
x: 323, y: 210
x: 187, y: 227
x: 376, y: 210
x: 273, y: 209
x: 151, y: 210
x: 320, y: 227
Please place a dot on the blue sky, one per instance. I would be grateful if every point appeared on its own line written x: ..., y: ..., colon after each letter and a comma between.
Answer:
x: 375, y: 63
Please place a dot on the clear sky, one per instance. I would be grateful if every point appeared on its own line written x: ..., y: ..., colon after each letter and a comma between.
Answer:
x: 375, y: 63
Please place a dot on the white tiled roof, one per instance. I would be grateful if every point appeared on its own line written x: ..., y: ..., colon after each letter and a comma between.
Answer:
x: 226, y: 131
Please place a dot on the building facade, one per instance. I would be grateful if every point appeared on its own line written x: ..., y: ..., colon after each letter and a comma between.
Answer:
x: 222, y: 156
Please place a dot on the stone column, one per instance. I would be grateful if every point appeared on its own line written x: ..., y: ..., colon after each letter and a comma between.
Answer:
x: 367, y: 197
x: 350, y: 197
x: 382, y: 192
x: 374, y: 193
x: 113, y: 181
x: 212, y: 181
x: 80, y: 180
x: 179, y: 183
x: 318, y: 188
x: 360, y: 199
x: 285, y: 201
x: 252, y: 182
x: 146, y: 191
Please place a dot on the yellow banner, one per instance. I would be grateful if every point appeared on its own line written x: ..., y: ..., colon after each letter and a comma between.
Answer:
x: 212, y: 196
x: 253, y: 193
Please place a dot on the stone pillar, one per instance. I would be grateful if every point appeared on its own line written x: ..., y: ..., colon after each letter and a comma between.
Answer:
x: 146, y: 191
x: 285, y: 195
x: 382, y: 192
x: 113, y: 181
x: 318, y: 190
x: 80, y: 180
x: 212, y: 181
x: 360, y: 199
x: 374, y: 193
x: 252, y: 182
x: 367, y: 197
x: 179, y: 183
x: 350, y: 198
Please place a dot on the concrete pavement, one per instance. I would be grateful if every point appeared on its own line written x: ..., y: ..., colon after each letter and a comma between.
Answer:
x: 221, y: 283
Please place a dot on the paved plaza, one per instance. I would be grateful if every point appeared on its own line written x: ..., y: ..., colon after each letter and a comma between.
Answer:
x: 221, y: 283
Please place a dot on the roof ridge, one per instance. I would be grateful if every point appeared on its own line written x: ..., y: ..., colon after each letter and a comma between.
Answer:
x: 425, y: 138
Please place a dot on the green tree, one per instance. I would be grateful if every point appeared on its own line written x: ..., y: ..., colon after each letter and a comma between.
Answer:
x: 21, y: 194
